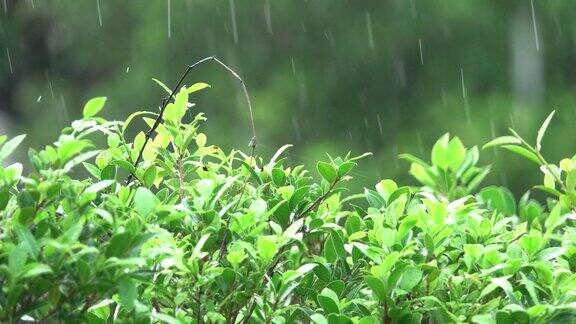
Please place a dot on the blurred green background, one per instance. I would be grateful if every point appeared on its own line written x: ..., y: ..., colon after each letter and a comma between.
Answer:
x: 327, y: 76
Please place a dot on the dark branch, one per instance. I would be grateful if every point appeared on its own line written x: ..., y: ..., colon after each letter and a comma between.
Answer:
x: 167, y: 100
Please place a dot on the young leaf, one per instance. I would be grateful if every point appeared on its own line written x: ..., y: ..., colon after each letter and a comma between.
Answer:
x: 523, y: 152
x: 542, y: 130
x: 456, y: 152
x: 10, y: 146
x: 144, y: 201
x: 161, y: 84
x: 502, y: 140
x: 327, y: 171
x: 440, y: 156
x: 197, y: 87
x: 93, y: 106
x: 267, y: 247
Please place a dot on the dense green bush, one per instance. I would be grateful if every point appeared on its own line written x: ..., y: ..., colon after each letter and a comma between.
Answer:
x: 203, y: 236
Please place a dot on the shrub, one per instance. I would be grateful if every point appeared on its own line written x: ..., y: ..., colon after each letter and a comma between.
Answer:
x: 201, y: 235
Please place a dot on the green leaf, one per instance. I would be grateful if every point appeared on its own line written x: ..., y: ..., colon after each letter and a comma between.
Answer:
x: 10, y: 146
x: 28, y: 240
x: 455, y: 153
x: 531, y: 243
x: 505, y: 285
x: 113, y: 140
x: 551, y: 253
x: 144, y: 201
x: 502, y: 140
x: 318, y: 319
x: 165, y: 318
x: 128, y: 293
x: 161, y: 84
x: 267, y: 247
x: 523, y: 152
x: 499, y: 198
x: 32, y: 270
x: 345, y: 168
x: 440, y: 156
x: 99, y: 186
x: 197, y: 87
x: 385, y: 188
x: 93, y: 106
x: 278, y: 177
x: 542, y: 130
x: 410, y: 278
x: 327, y: 171
x: 328, y: 300
x: 377, y: 286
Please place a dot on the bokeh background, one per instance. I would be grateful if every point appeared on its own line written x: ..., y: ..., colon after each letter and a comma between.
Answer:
x: 325, y: 75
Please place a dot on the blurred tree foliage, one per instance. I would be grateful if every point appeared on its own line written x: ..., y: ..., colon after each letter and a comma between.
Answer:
x: 328, y: 76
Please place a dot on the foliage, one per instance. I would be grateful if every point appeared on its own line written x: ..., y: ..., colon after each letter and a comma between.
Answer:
x: 207, y: 236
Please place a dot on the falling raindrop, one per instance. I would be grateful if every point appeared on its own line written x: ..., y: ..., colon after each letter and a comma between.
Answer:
x: 421, y: 52
x: 493, y: 132
x: 49, y: 83
x: 535, y: 27
x: 401, y: 71
x: 233, y: 18
x: 169, y: 19
x: 413, y: 11
x: 379, y: 124
x: 39, y: 98
x: 366, y: 123
x: 5, y: 7
x: 444, y: 98
x: 268, y: 17
x: 512, y: 123
x: 296, y: 126
x: 293, y: 66
x: 463, y: 85
x: 369, y: 28
x: 127, y: 69
x: 464, y: 95
x: 329, y: 37
x: 99, y: 12
x: 64, y: 109
x: 419, y: 143
x: 32, y: 3
x: 9, y: 60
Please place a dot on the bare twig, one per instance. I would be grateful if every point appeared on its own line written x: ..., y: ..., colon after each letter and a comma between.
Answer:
x: 165, y: 103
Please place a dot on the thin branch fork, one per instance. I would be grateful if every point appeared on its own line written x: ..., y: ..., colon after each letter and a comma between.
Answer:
x: 167, y: 100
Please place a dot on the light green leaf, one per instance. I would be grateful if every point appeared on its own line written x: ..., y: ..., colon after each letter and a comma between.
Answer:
x: 542, y: 130
x: 160, y: 83
x: 267, y: 247
x: 99, y: 186
x: 502, y: 140
x: 327, y: 171
x: 440, y: 156
x: 93, y: 106
x: 144, y: 201
x: 410, y: 278
x: 10, y: 146
x: 456, y: 152
x: 523, y: 152
x: 197, y: 87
